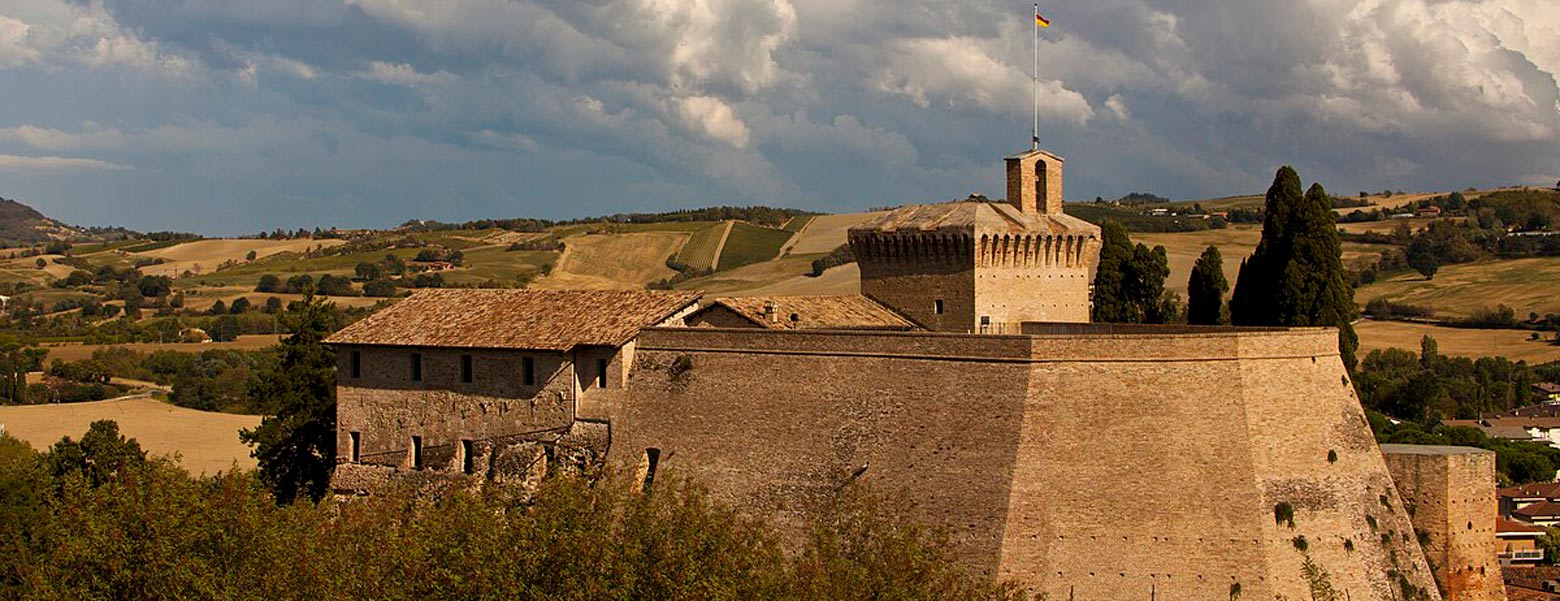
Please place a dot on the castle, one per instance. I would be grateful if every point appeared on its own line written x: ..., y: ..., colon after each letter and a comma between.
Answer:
x: 1087, y: 461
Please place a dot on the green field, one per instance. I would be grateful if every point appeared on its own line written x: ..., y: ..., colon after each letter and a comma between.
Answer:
x: 500, y: 265
x: 700, y: 252
x: 1525, y: 285
x: 750, y: 244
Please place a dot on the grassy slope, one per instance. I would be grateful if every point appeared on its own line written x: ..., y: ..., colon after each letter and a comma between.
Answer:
x: 616, y: 261
x: 700, y: 251
x: 1525, y: 285
x: 749, y: 244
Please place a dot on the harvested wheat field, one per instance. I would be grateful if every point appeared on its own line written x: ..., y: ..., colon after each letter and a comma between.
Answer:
x: 1462, y: 342
x: 1525, y: 285
x: 614, y: 262
x: 826, y: 232
x: 77, y: 352
x: 204, y: 442
x: 844, y: 279
x: 203, y: 256
x: 1235, y: 243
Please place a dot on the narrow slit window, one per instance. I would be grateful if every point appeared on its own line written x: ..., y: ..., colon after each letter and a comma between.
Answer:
x: 465, y: 369
x: 467, y: 462
x: 601, y: 373
x: 356, y: 364
x: 528, y: 368
x: 417, y: 455
x: 937, y: 306
x: 357, y: 439
x: 652, y: 461
x: 416, y: 367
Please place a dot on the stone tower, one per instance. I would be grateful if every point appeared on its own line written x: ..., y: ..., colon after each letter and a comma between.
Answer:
x: 971, y: 266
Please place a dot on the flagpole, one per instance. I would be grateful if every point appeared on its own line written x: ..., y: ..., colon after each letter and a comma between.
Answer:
x: 1034, y: 131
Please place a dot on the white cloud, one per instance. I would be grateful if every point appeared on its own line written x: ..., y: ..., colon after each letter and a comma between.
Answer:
x: 402, y: 74
x: 956, y: 73
x: 91, y: 136
x: 713, y: 118
x: 61, y: 33
x: 11, y: 162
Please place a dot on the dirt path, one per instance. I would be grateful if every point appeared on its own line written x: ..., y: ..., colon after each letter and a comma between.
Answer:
x: 721, y: 247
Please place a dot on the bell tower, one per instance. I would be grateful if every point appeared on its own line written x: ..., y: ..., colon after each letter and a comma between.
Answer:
x: 1034, y: 182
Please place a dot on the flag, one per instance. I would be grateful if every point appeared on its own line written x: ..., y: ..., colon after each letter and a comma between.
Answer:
x: 1041, y: 21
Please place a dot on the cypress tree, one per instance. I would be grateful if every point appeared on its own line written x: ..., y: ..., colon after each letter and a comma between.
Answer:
x: 1110, y: 285
x: 1295, y: 277
x: 1205, y: 290
x: 1129, y: 286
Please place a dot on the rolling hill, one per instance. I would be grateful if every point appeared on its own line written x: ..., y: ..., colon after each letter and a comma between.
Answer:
x: 21, y: 224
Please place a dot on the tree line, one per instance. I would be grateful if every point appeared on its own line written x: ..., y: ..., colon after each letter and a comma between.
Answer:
x: 1295, y: 277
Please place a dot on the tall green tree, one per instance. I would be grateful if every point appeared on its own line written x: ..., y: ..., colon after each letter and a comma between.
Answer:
x: 295, y: 444
x: 1206, y: 288
x: 1295, y: 277
x: 1129, y: 286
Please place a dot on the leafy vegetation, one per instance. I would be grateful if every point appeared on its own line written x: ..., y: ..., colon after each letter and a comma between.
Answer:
x: 748, y: 244
x: 1429, y: 387
x: 1129, y: 286
x: 96, y: 519
x: 1296, y: 275
x: 1206, y: 289
x: 296, y: 442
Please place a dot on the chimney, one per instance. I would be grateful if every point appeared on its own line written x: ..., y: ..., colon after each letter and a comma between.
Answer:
x: 769, y: 311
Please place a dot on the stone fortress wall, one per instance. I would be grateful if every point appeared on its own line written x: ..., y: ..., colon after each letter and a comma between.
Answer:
x: 1450, y: 492
x: 1090, y: 463
x: 496, y: 425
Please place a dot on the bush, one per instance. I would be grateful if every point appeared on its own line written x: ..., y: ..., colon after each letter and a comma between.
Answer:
x: 379, y: 288
x: 839, y: 256
x: 1382, y: 308
x: 269, y: 283
x: 226, y: 537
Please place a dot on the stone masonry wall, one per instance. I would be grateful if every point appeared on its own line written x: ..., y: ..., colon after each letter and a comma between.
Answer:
x: 1450, y: 491
x: 1088, y: 466
x: 911, y: 286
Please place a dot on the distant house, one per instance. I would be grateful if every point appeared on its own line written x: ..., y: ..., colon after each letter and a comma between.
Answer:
x: 1513, y: 498
x: 194, y: 335
x: 1545, y: 429
x: 1549, y: 391
x: 1543, y: 513
x: 1430, y: 211
x: 1517, y: 543
x: 1401, y: 216
x: 438, y: 266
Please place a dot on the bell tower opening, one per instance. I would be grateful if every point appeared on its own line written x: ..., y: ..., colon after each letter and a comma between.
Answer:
x: 1034, y: 181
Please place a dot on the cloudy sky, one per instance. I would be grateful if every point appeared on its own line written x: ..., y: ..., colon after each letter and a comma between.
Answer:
x: 232, y: 116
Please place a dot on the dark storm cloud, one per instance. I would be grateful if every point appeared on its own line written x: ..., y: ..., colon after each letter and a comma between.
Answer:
x: 230, y: 116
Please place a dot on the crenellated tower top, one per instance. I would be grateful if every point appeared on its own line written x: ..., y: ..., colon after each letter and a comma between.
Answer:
x: 971, y: 266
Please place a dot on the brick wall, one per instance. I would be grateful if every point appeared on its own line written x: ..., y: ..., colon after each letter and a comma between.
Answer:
x: 1451, y: 494
x: 1096, y: 465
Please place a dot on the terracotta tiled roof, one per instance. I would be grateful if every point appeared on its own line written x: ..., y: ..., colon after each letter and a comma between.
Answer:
x: 977, y: 218
x: 1518, y: 593
x: 556, y: 320
x: 1541, y: 509
x: 1536, y: 490
x: 847, y: 312
x: 1510, y: 526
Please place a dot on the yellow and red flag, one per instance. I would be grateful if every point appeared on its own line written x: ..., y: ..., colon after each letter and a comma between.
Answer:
x: 1041, y: 21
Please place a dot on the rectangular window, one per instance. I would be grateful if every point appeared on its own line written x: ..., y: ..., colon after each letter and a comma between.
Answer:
x: 356, y: 439
x: 467, y: 463
x: 417, y: 462
x: 601, y: 373
x: 528, y: 367
x: 416, y: 367
x: 356, y: 364
x: 465, y: 369
x: 937, y: 306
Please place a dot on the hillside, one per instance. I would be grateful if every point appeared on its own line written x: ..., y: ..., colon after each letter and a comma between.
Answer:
x: 21, y: 224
